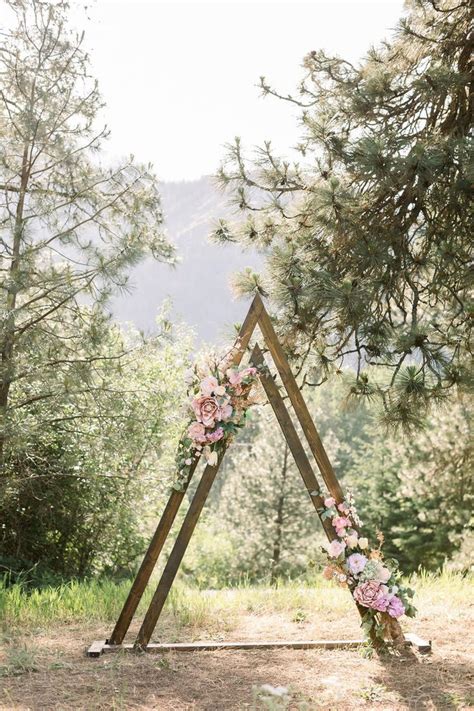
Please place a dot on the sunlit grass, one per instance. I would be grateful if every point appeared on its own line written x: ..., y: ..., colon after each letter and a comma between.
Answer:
x: 101, y: 600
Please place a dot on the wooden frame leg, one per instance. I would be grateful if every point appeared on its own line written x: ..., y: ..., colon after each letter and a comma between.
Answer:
x: 148, y: 564
x: 293, y: 440
x: 176, y: 556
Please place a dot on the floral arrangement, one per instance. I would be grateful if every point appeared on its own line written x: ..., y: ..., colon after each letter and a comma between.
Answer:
x: 219, y: 397
x: 374, y: 582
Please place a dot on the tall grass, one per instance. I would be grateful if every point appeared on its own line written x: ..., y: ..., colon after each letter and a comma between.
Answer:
x: 102, y: 600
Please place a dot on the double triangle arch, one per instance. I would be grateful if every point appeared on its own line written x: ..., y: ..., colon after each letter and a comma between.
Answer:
x: 256, y: 316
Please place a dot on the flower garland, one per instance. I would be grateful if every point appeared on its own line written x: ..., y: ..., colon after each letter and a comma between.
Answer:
x: 374, y: 582
x: 219, y: 398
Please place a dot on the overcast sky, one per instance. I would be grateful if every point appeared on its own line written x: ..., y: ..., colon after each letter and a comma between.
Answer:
x: 179, y: 78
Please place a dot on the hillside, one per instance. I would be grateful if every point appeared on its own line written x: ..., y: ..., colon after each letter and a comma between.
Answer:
x: 199, y: 286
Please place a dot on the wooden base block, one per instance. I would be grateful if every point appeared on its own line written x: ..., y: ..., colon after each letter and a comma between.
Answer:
x: 101, y: 646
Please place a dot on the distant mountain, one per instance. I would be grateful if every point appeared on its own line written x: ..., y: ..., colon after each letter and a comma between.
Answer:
x: 199, y: 286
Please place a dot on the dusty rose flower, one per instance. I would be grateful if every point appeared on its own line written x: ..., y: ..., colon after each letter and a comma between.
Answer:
x: 372, y: 594
x: 206, y: 410
x: 197, y: 432
x: 329, y: 502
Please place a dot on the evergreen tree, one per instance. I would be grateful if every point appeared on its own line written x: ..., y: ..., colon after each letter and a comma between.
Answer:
x: 420, y: 493
x: 70, y: 226
x: 266, y: 506
x: 368, y: 236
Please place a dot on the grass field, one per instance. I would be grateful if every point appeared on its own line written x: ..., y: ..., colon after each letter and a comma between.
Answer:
x: 45, y: 633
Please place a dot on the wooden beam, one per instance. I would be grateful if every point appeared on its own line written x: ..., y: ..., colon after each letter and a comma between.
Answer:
x: 287, y: 427
x: 149, y: 562
x: 176, y: 555
x: 297, y: 400
x: 101, y: 647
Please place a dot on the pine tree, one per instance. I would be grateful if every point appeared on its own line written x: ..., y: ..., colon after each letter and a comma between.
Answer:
x: 267, y: 508
x: 70, y: 226
x: 368, y: 236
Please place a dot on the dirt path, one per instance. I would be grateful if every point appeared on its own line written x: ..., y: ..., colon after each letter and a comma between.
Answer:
x: 213, y: 681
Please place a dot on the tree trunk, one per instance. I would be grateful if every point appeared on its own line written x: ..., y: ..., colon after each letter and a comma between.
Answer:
x: 7, y: 341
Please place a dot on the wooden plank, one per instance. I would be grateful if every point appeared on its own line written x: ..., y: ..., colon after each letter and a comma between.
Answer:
x: 172, y: 507
x: 422, y: 645
x: 101, y: 646
x: 218, y: 646
x: 176, y: 556
x: 299, y: 455
x: 97, y: 648
x: 298, y: 402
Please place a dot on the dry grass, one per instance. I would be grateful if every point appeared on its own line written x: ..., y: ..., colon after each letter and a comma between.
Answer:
x: 44, y: 667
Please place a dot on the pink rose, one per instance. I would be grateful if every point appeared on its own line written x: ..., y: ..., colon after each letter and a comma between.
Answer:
x: 329, y: 502
x: 335, y: 549
x: 215, y: 436
x: 197, y: 432
x: 208, y: 385
x: 340, y: 522
x: 372, y: 594
x: 234, y: 377
x: 343, y: 508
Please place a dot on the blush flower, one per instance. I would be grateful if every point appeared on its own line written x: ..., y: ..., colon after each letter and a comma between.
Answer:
x: 356, y: 563
x: 335, y: 548
x: 208, y: 385
x: 329, y: 502
x: 234, y: 377
x: 340, y: 523
x: 197, y: 432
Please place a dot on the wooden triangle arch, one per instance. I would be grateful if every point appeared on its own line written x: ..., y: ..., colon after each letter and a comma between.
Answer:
x: 256, y: 316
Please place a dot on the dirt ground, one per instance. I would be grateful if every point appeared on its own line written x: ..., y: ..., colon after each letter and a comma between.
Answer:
x: 64, y: 678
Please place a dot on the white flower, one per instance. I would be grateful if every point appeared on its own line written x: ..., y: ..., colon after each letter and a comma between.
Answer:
x: 352, y: 540
x: 211, y: 457
x: 363, y: 543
